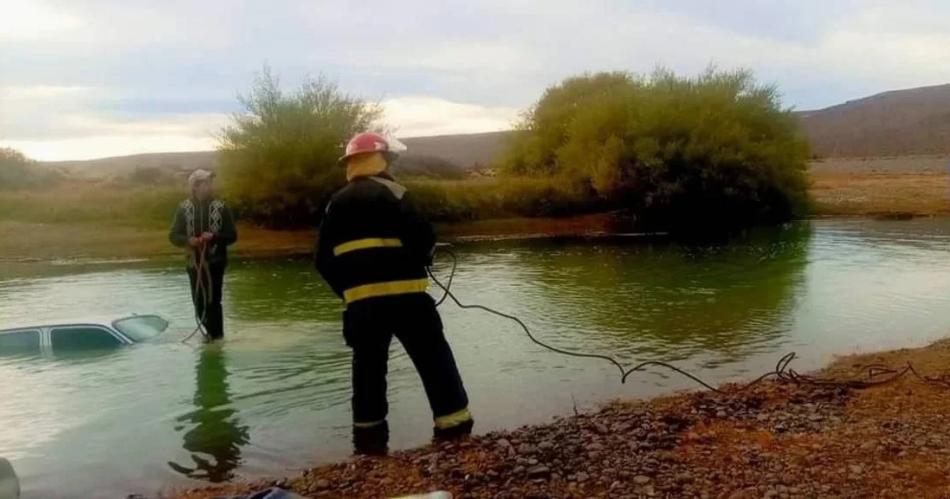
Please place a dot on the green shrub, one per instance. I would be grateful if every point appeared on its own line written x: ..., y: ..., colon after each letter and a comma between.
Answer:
x: 278, y: 159
x: 453, y: 201
x: 19, y: 172
x: 684, y: 153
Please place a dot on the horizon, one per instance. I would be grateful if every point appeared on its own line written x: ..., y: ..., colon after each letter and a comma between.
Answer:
x: 91, y: 79
x: 213, y: 149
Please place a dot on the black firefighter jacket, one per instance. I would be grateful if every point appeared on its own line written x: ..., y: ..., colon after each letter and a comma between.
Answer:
x: 372, y: 243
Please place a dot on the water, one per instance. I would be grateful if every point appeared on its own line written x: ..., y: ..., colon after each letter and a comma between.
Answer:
x: 275, y: 396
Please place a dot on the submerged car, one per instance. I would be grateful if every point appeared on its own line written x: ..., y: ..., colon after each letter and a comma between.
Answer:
x: 82, y: 335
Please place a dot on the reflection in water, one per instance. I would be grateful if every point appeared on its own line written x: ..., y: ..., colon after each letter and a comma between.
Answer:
x: 663, y: 299
x: 279, y: 291
x: 217, y: 433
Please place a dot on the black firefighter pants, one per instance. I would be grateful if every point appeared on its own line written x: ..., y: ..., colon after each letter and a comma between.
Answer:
x: 368, y: 327
x: 211, y: 313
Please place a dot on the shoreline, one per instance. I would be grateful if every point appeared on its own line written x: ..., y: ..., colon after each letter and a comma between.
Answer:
x: 56, y: 243
x: 894, y: 188
x: 30, y: 243
x: 776, y: 439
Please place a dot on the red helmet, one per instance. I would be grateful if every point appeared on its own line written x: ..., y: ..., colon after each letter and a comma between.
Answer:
x: 366, y: 142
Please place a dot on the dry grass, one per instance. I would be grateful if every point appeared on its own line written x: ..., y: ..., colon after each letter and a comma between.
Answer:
x: 84, y: 221
x: 889, y: 187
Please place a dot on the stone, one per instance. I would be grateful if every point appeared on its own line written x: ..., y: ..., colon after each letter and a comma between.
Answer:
x: 539, y: 471
x: 641, y: 479
x: 527, y: 449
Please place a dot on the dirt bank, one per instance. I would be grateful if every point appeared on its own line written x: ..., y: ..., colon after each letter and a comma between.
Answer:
x: 31, y: 242
x: 778, y: 439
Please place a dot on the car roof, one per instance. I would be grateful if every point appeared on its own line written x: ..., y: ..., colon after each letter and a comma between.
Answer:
x: 101, y: 320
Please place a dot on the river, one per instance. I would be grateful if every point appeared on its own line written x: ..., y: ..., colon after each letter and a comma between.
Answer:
x: 274, y: 396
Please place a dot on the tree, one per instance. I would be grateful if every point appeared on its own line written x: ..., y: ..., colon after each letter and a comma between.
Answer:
x: 19, y: 172
x: 278, y: 158
x: 684, y: 153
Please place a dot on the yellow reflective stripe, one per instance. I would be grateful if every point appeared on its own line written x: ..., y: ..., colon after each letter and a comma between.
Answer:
x: 369, y: 425
x: 361, y: 244
x: 385, y: 289
x: 454, y: 419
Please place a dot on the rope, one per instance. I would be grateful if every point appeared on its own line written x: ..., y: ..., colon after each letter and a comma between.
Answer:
x: 203, y: 285
x: 871, y: 375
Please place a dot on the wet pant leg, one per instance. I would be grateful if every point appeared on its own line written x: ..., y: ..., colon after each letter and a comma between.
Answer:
x: 421, y: 334
x: 365, y: 333
x: 208, y: 308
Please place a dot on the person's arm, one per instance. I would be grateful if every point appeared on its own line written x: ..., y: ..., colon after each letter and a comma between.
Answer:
x: 228, y: 233
x: 323, y: 259
x: 177, y: 235
x: 417, y: 235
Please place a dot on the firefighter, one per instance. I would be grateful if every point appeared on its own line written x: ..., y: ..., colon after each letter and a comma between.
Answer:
x: 373, y: 250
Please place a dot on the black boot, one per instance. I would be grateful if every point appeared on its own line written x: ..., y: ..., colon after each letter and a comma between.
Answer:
x: 454, y: 432
x: 371, y: 441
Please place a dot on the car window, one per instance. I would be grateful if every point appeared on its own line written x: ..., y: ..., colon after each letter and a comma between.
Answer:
x: 141, y: 327
x: 20, y: 342
x: 79, y: 338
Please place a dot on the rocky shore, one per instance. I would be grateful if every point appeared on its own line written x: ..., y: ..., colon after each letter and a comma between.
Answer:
x: 778, y: 439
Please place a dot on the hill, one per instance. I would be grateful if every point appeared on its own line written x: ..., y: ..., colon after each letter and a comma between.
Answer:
x: 122, y: 166
x: 470, y: 151
x: 897, y: 123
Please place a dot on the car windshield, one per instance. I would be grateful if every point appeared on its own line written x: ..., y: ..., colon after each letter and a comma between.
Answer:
x: 141, y: 327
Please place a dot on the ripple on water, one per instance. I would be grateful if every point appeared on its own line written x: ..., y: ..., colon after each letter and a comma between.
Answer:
x: 276, y: 393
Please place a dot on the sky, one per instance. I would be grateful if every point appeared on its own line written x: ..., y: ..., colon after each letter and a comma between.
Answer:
x: 83, y: 79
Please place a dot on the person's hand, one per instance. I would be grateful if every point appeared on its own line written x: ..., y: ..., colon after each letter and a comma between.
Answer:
x: 207, y: 237
x: 194, y: 242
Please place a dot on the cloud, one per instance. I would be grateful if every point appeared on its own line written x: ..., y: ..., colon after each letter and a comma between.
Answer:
x: 59, y: 123
x: 33, y: 20
x: 111, y: 68
x: 421, y: 116
x: 99, y: 146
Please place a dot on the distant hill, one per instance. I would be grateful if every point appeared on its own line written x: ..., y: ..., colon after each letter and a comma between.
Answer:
x: 470, y: 151
x: 445, y: 156
x: 121, y: 166
x: 896, y: 123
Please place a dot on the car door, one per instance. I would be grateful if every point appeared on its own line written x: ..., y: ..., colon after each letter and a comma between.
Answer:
x: 20, y: 342
x: 83, y: 338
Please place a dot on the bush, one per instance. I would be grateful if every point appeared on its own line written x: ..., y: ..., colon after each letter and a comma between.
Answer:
x: 19, y: 172
x: 152, y: 175
x: 713, y: 151
x: 454, y: 201
x: 278, y: 160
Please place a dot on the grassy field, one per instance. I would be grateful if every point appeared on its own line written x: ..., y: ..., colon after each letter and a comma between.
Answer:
x: 882, y: 187
x: 95, y: 221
